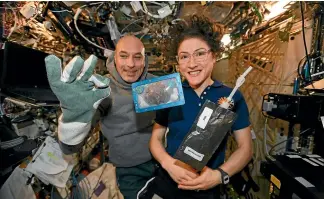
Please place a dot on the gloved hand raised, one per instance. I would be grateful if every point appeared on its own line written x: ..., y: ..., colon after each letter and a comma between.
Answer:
x: 80, y: 93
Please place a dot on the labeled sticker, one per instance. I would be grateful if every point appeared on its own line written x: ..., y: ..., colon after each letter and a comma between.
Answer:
x: 310, y: 162
x: 194, y: 154
x: 204, y: 117
x: 304, y: 182
x: 275, y: 181
x: 317, y: 161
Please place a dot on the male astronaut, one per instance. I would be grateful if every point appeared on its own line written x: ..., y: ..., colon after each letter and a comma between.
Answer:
x: 87, y: 97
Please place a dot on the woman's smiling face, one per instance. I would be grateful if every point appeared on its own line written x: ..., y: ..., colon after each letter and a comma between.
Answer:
x: 196, y: 61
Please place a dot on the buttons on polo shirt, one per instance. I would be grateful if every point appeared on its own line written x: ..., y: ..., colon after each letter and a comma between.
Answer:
x: 199, y: 104
x: 205, y: 93
x: 202, y: 97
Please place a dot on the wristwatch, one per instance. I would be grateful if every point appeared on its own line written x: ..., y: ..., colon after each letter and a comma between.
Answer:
x: 224, y: 176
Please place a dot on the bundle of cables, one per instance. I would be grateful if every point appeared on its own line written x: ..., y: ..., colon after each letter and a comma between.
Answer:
x: 306, y: 78
x: 172, y: 7
x: 76, y: 17
x: 278, y: 144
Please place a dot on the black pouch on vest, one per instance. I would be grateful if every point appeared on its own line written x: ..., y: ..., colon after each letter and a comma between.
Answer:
x: 205, y: 136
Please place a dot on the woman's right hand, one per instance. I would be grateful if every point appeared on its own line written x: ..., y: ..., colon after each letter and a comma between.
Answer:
x: 177, y: 173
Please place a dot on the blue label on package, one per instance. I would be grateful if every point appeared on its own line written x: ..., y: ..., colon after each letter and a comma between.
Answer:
x: 158, y: 93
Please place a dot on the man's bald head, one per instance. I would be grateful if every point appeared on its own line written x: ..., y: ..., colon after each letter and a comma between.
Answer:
x: 129, y: 58
x: 130, y: 42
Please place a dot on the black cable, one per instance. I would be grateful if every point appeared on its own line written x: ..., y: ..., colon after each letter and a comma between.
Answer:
x: 298, y: 69
x: 303, y: 30
x: 287, y: 140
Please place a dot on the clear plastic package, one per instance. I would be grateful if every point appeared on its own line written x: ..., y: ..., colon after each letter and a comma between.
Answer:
x: 158, y: 93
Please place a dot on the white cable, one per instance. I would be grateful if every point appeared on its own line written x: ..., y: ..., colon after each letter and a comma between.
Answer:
x: 76, y: 16
x: 174, y: 21
x: 60, y: 11
x: 316, y: 74
x: 131, y: 24
x: 10, y: 8
x: 265, y: 137
x: 2, y: 112
x: 16, y: 22
x: 143, y: 188
x: 145, y: 10
x: 156, y: 3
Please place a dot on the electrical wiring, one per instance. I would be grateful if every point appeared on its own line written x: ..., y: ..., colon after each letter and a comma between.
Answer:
x: 285, y: 147
x: 61, y: 11
x: 316, y: 74
x: 176, y: 8
x: 301, y: 133
x: 259, y: 156
x: 303, y: 31
x: 2, y: 110
x: 16, y: 21
x: 313, y: 75
x: 133, y: 22
x: 174, y: 21
x: 265, y: 137
x: 173, y: 7
x: 156, y: 3
x: 10, y: 8
x: 260, y: 145
x: 298, y: 68
x: 130, y: 16
x: 142, y: 36
x: 145, y: 10
x: 76, y: 17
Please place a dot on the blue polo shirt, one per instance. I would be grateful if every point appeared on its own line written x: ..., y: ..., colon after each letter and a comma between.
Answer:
x: 179, y: 119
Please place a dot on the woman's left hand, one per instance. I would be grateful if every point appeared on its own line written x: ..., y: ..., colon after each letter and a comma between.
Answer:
x: 208, y: 179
